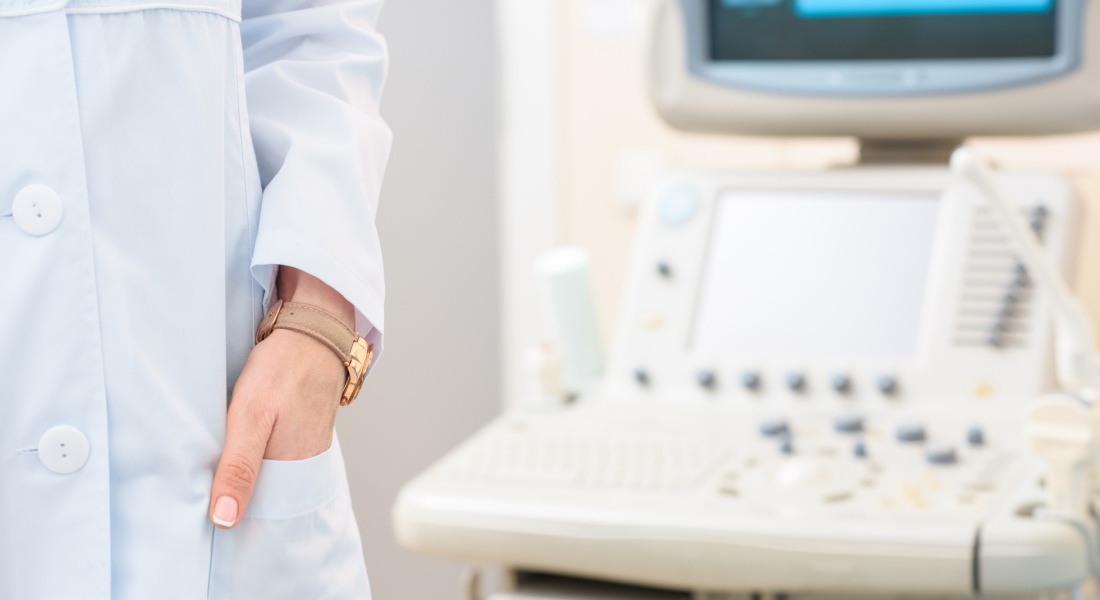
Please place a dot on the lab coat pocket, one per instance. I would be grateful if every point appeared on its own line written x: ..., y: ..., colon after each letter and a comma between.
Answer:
x: 298, y: 538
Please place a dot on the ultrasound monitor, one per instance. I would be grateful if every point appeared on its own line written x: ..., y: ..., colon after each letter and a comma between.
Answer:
x: 876, y: 68
x: 869, y: 30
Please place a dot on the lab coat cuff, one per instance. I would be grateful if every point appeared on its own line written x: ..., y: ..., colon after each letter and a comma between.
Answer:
x: 282, y: 248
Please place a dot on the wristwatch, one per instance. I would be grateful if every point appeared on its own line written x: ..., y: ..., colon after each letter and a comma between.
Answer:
x: 322, y: 326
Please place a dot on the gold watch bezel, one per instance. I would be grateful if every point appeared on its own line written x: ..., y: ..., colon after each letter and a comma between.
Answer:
x: 361, y: 354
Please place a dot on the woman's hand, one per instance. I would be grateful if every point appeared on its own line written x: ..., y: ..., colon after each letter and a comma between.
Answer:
x: 284, y: 403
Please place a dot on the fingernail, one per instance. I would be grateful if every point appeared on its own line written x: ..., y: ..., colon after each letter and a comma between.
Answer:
x: 225, y: 511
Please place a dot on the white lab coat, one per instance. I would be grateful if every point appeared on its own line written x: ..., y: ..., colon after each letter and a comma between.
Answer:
x: 144, y: 206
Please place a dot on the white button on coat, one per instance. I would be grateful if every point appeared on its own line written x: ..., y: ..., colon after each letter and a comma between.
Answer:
x: 37, y: 209
x: 63, y: 449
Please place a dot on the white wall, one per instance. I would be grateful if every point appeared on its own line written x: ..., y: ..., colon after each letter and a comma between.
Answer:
x: 439, y: 378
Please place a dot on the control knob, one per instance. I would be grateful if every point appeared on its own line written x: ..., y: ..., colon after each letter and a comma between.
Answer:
x: 750, y: 379
x: 910, y: 433
x: 842, y: 383
x: 796, y: 381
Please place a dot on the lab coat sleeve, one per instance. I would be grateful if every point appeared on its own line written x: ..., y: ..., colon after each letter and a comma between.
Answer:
x: 314, y: 72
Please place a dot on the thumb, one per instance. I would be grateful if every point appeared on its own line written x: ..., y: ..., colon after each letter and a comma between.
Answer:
x: 248, y: 428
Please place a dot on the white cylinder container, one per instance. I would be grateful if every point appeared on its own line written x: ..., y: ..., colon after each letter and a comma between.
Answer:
x: 565, y: 285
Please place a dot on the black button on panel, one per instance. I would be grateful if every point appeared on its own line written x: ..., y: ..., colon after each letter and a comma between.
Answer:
x: 887, y: 384
x: 1037, y: 219
x: 796, y: 381
x: 774, y: 427
x: 848, y: 423
x: 750, y: 379
x: 705, y: 378
x: 910, y: 433
x: 664, y: 269
x: 938, y: 454
x: 975, y: 436
x: 842, y: 383
x: 641, y: 376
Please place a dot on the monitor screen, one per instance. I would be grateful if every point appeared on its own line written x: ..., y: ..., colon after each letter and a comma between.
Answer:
x: 875, y: 30
x: 797, y: 273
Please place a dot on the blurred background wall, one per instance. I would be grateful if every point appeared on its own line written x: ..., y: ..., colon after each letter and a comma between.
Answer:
x: 519, y: 125
x: 438, y: 380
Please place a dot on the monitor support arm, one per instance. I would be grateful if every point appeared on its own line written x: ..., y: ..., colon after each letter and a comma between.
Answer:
x: 1061, y: 427
x: 905, y: 151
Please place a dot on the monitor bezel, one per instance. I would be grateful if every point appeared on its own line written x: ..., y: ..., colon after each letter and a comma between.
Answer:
x: 887, y: 78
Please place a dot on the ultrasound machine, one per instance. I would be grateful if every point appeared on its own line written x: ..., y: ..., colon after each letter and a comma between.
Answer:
x: 867, y: 381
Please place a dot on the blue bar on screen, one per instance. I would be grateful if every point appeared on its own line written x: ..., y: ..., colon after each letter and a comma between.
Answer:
x: 877, y: 8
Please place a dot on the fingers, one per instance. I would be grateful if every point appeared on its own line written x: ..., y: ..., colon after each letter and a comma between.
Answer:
x: 248, y: 428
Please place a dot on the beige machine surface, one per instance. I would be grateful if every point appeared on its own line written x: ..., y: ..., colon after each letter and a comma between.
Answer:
x: 691, y: 496
x: 868, y: 440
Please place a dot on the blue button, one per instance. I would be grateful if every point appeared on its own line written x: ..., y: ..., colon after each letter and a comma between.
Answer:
x: 705, y: 378
x: 910, y: 432
x: 859, y: 449
x: 786, y: 446
x: 774, y: 427
x: 975, y: 436
x: 848, y: 423
x: 842, y: 383
x: 940, y: 455
x: 796, y: 381
x: 887, y: 384
x: 750, y: 379
x: 678, y: 205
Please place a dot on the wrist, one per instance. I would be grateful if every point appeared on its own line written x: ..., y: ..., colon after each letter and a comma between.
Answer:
x: 295, y: 285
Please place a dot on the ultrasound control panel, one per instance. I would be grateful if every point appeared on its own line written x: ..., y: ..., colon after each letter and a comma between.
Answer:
x: 818, y: 383
x: 882, y: 290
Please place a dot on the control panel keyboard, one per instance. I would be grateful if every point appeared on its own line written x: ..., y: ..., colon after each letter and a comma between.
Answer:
x: 843, y: 463
x: 523, y: 455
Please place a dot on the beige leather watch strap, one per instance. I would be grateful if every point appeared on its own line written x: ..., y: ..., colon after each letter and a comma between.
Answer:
x: 352, y: 349
x: 311, y: 321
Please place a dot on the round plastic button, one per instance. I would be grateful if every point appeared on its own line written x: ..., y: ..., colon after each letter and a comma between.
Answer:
x: 842, y: 383
x: 848, y: 423
x: 910, y: 432
x: 887, y: 384
x: 774, y: 427
x: 750, y: 379
x: 63, y: 449
x: 705, y: 378
x: 940, y: 455
x: 677, y: 205
x: 975, y: 436
x: 37, y: 209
